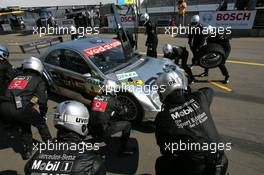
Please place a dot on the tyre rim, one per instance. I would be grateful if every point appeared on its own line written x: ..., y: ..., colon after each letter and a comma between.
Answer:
x: 211, y: 60
x: 132, y: 110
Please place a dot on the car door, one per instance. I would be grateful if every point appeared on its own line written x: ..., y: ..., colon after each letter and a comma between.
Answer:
x: 69, y: 70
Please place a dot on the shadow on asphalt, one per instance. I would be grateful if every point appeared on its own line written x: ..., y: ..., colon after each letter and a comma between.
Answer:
x: 116, y: 164
x: 145, y: 127
x: 10, y: 138
x: 241, y: 97
x: 8, y: 172
x: 244, y: 145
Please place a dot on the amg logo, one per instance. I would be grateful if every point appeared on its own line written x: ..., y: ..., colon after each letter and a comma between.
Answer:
x: 82, y: 120
x: 43, y: 166
x: 182, y: 113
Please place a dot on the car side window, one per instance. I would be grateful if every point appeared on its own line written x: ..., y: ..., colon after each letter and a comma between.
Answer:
x: 76, y: 62
x: 54, y: 58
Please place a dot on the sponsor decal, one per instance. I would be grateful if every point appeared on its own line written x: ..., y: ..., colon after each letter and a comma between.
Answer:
x: 40, y: 165
x: 175, y: 82
x: 45, y: 166
x: 188, y: 115
x: 82, y: 120
x: 102, y: 48
x: 19, y: 83
x: 126, y: 75
x: 137, y: 82
x: 233, y: 19
x: 99, y: 106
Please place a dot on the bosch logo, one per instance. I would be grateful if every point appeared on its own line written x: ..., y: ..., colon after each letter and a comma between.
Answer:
x: 207, y: 17
x: 127, y: 18
x: 233, y: 16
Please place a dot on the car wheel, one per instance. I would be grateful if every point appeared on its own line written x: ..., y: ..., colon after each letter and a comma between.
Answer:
x: 134, y: 111
x: 211, y: 56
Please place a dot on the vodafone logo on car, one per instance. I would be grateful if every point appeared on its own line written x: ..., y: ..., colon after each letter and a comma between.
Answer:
x: 102, y: 48
x: 241, y: 16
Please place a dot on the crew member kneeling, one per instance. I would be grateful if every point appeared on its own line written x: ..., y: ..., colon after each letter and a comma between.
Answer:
x: 106, y: 118
x: 178, y: 53
x: 186, y: 119
x: 25, y: 103
x: 71, y: 119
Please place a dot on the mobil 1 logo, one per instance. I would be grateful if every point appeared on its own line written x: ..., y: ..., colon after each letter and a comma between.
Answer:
x: 52, y: 166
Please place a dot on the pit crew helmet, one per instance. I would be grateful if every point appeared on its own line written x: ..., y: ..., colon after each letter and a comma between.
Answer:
x: 4, y: 53
x: 33, y: 63
x: 144, y: 18
x: 170, y: 81
x: 195, y: 20
x: 167, y: 49
x: 73, y: 116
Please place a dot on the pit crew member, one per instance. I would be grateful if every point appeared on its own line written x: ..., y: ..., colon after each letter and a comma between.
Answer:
x: 71, y: 120
x: 25, y: 103
x: 185, y: 118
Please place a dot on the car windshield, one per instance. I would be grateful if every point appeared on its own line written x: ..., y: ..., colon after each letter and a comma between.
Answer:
x: 110, y: 59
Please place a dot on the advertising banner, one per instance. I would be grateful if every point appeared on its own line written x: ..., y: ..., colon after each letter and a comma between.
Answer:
x: 128, y: 21
x: 234, y: 19
x: 65, y: 23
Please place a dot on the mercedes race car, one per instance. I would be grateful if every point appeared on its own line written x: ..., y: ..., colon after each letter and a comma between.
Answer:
x: 79, y: 68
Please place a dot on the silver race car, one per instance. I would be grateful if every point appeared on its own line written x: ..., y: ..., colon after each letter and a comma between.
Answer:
x: 78, y: 69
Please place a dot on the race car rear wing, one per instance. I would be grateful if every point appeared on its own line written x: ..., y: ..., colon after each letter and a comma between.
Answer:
x: 36, y: 45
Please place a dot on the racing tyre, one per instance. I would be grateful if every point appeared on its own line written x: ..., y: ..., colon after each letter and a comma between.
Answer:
x: 211, y: 56
x: 135, y: 111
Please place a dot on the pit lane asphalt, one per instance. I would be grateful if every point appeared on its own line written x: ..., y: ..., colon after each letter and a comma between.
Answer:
x: 238, y: 113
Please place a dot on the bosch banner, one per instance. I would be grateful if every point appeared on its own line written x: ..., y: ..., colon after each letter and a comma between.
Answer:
x: 127, y: 21
x: 233, y: 19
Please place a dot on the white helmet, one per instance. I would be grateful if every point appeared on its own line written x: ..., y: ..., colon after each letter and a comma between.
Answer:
x: 144, y: 18
x: 171, y: 81
x: 73, y: 116
x: 167, y: 49
x: 195, y: 20
x: 4, y: 53
x: 33, y: 63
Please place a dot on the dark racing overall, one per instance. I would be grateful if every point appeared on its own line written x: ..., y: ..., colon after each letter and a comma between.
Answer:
x: 187, y: 120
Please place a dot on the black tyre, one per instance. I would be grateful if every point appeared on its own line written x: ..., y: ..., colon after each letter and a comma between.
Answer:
x: 211, y: 56
x: 135, y: 111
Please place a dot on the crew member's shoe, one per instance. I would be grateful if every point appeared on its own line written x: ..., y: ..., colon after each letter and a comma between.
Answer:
x: 204, y: 74
x: 27, y: 152
x: 226, y: 80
